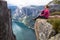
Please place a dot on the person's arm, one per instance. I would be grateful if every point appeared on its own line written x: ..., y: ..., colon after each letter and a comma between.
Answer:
x: 42, y: 13
x: 45, y: 13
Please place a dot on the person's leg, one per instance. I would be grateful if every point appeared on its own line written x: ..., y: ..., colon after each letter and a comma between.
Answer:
x: 42, y: 17
x: 37, y: 17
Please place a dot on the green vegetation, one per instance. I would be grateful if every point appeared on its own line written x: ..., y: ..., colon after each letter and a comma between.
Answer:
x: 55, y: 13
x: 56, y: 1
x: 55, y: 21
x: 56, y: 24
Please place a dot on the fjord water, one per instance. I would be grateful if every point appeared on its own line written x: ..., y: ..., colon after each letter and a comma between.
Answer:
x: 22, y: 32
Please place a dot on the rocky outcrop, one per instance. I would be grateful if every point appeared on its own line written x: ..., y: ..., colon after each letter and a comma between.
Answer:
x: 43, y: 29
x: 55, y: 16
x: 6, y: 32
x: 54, y: 6
x: 56, y: 37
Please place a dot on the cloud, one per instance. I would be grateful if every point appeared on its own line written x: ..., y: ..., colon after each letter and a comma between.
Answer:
x: 28, y: 2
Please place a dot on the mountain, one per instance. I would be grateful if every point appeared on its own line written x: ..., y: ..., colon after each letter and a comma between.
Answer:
x: 13, y: 8
x: 32, y: 10
x: 25, y: 14
x: 54, y: 7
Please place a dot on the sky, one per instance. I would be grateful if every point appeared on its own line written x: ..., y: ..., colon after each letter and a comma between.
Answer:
x: 28, y: 2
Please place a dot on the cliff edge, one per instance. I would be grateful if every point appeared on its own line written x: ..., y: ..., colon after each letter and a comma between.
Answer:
x: 44, y: 30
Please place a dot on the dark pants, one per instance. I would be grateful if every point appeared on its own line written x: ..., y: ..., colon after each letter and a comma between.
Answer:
x: 42, y: 17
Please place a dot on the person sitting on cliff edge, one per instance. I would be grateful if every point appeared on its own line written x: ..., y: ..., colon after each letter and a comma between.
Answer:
x: 44, y: 14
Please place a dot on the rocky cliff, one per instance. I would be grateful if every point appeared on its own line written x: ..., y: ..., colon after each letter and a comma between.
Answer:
x: 6, y: 32
x: 45, y: 31
x: 54, y: 6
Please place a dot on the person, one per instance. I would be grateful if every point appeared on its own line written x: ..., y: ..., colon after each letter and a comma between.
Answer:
x: 44, y: 14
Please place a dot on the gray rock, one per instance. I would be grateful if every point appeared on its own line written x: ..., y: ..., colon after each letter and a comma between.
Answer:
x: 6, y: 32
x: 56, y: 37
x: 44, y: 29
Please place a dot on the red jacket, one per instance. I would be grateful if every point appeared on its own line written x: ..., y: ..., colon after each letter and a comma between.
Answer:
x: 46, y: 13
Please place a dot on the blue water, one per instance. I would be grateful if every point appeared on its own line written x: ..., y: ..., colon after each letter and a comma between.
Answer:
x: 22, y: 32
